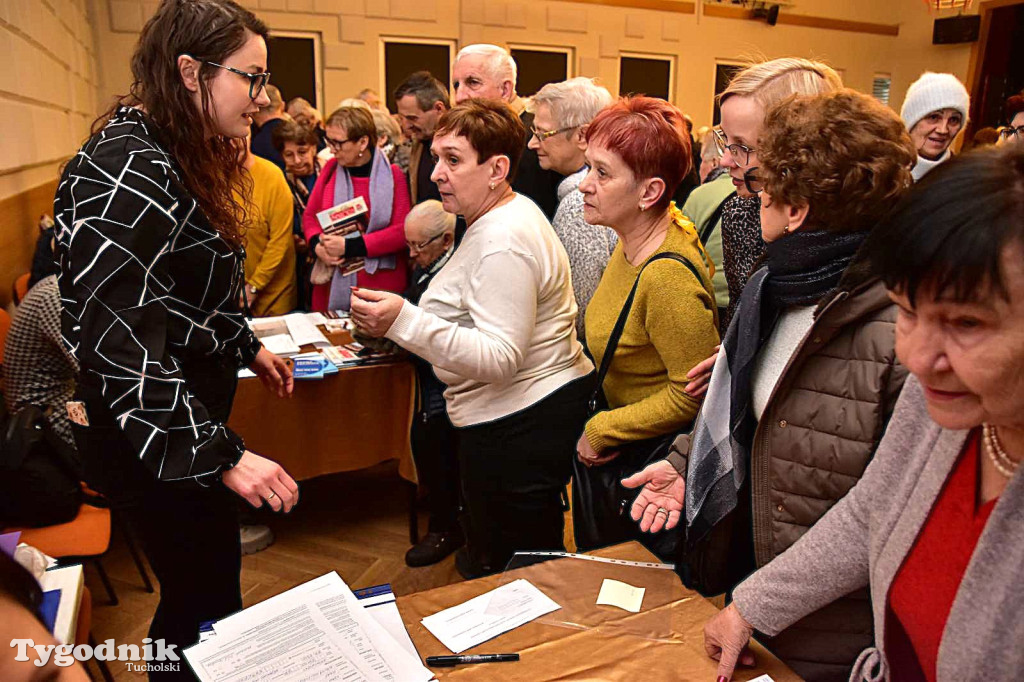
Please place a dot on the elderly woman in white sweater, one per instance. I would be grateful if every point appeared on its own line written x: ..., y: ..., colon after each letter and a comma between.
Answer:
x: 498, y: 325
x: 563, y: 112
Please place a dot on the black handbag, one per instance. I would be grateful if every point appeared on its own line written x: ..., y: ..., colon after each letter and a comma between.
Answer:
x: 600, y: 504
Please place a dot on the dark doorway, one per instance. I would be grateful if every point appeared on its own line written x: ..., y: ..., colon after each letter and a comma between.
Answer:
x: 645, y: 76
x: 1001, y: 72
x: 537, y: 68
x: 401, y: 60
x: 292, y: 64
x: 724, y: 73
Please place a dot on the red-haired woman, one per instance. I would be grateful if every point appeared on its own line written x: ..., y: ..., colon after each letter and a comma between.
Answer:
x: 150, y: 251
x: 638, y: 151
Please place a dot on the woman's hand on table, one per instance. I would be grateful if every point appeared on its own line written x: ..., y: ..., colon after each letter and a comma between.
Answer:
x: 274, y: 372
x: 322, y: 254
x: 374, y: 311
x: 700, y: 375
x: 591, y: 457
x: 726, y: 637
x: 258, y: 479
x: 334, y: 245
x: 663, y: 489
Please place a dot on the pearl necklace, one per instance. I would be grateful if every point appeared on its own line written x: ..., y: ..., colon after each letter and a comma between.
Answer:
x: 1006, y: 466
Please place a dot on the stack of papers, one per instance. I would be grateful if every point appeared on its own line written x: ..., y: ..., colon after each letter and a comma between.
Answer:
x: 316, y: 631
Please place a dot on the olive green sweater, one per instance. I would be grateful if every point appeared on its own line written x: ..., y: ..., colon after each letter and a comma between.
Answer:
x: 672, y: 326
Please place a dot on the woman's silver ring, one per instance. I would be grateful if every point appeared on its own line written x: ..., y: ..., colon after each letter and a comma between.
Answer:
x: 662, y: 510
x: 271, y: 496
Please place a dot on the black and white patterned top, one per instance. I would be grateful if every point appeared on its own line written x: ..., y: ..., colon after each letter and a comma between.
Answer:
x: 38, y: 369
x: 148, y: 287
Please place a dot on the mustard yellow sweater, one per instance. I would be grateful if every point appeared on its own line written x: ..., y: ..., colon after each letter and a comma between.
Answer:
x: 672, y: 326
x: 269, y: 247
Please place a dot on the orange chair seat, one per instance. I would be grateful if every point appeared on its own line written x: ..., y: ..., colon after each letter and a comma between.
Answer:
x: 88, y: 534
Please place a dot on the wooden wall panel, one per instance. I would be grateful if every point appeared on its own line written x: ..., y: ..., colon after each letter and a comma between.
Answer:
x: 19, y: 226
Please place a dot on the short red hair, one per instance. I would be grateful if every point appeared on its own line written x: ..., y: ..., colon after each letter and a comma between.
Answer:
x: 649, y: 135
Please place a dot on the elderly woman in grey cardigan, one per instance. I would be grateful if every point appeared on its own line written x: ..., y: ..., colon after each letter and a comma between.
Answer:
x: 935, y: 528
x: 563, y: 112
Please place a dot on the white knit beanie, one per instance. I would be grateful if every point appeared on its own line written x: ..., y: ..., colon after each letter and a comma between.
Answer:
x: 932, y: 92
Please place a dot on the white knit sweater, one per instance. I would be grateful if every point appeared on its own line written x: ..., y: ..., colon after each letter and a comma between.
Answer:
x: 498, y: 321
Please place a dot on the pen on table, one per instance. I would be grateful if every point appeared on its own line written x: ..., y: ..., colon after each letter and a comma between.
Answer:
x: 449, y: 661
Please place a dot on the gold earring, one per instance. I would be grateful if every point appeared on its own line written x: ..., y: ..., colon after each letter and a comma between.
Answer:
x: 642, y: 207
x: 785, y: 230
x: 491, y: 186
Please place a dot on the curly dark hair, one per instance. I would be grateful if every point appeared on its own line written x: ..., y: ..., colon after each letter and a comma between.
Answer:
x: 843, y: 154
x: 211, y: 168
x: 296, y: 133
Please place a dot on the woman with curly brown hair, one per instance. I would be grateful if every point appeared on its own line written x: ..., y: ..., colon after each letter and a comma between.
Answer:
x: 150, y: 250
x: 807, y: 376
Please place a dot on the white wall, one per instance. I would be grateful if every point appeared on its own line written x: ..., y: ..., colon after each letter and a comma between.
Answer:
x: 351, y: 31
x: 48, y: 88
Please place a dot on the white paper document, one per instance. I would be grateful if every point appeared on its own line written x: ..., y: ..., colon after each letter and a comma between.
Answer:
x: 280, y: 344
x: 316, y: 631
x: 489, y: 615
x: 383, y: 609
x: 623, y: 595
x: 303, y: 331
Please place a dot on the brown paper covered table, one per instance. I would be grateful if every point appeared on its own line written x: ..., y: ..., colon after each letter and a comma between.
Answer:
x: 623, y: 647
x: 351, y: 420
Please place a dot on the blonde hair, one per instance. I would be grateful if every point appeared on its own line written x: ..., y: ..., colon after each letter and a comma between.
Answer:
x: 768, y: 83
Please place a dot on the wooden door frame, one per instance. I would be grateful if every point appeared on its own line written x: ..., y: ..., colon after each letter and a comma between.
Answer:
x: 985, y: 9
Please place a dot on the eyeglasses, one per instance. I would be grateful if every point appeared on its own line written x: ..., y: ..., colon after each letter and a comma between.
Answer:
x: 257, y: 81
x: 335, y: 145
x: 542, y: 135
x: 752, y: 181
x: 740, y: 153
x: 1009, y: 131
x: 422, y: 245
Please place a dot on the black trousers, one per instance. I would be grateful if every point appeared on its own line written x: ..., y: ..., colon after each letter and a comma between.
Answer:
x: 514, y: 472
x: 189, y: 534
x: 435, y: 451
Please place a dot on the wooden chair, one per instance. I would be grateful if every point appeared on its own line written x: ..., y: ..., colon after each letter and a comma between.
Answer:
x: 20, y: 288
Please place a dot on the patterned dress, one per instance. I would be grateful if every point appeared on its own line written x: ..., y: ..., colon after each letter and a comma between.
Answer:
x: 742, y: 246
x: 38, y: 370
x: 150, y: 293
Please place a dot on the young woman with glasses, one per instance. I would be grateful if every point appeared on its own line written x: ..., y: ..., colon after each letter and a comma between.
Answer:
x: 150, y: 248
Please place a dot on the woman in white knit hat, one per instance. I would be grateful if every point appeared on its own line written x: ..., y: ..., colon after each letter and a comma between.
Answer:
x: 934, y: 111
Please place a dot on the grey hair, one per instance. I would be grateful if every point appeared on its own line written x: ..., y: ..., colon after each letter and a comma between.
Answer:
x: 354, y: 102
x: 386, y: 126
x: 435, y: 220
x: 574, y: 102
x: 499, y: 62
x: 276, y: 103
x: 708, y: 149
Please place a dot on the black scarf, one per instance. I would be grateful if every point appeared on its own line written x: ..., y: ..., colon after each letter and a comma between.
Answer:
x: 799, y: 269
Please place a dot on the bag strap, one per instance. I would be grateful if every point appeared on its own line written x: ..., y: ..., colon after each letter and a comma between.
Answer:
x: 709, y: 226
x: 620, y: 324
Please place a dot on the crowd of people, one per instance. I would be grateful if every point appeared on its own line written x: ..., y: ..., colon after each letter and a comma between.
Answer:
x: 785, y: 353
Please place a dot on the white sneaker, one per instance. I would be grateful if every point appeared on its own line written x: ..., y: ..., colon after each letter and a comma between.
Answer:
x: 255, y: 538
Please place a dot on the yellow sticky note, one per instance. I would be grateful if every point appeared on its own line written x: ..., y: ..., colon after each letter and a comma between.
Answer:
x: 615, y: 593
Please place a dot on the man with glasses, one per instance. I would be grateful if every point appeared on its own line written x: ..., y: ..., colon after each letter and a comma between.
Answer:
x: 430, y: 236
x: 421, y: 100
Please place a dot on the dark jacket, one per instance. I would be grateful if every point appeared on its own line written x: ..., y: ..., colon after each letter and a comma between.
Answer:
x: 533, y: 181
x: 817, y: 434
